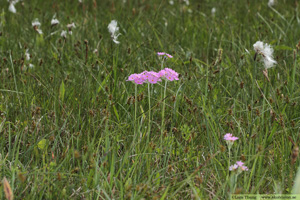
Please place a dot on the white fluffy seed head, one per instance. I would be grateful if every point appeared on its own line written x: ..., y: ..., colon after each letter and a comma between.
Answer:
x: 12, y: 8
x: 267, y: 53
x: 271, y: 3
x: 113, y: 27
x: 258, y: 46
x: 63, y: 34
x: 39, y: 31
x: 54, y: 22
x: 269, y: 62
x: 70, y: 26
x: 36, y: 22
x: 27, y: 55
x: 213, y: 11
x: 113, y: 30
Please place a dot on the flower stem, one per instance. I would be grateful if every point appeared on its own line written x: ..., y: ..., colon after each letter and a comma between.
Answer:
x: 163, y: 111
x: 149, y: 113
x: 229, y: 157
x: 135, y: 110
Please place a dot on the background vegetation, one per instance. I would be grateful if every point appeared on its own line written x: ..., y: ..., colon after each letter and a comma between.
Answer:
x: 67, y: 124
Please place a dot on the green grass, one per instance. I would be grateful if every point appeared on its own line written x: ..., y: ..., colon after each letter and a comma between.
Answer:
x: 68, y: 128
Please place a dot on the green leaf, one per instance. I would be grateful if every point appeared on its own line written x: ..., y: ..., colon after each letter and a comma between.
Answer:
x: 62, y: 91
x: 90, y: 178
x: 116, y: 112
x: 283, y: 47
x: 103, y: 83
x: 157, y: 179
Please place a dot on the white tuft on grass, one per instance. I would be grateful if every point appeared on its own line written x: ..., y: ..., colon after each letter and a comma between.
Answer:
x: 114, y: 29
x: 36, y: 25
x: 54, y: 22
x: 271, y: 3
x: 63, y: 34
x: 12, y: 8
x: 27, y: 55
x: 213, y: 11
x: 267, y: 53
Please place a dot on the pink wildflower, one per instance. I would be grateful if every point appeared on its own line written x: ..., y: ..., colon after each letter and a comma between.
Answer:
x: 238, y: 166
x: 132, y: 77
x: 169, y: 55
x: 163, y: 53
x: 152, y: 77
x: 168, y: 74
x: 229, y: 137
x: 137, y: 78
x: 239, y: 163
x: 233, y: 167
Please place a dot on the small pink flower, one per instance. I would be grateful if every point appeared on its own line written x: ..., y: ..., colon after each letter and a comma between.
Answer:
x: 238, y: 166
x: 240, y: 163
x: 244, y: 168
x: 229, y: 137
x: 152, y: 77
x: 168, y: 74
x: 132, y: 77
x: 162, y: 73
x: 136, y: 78
x: 163, y: 53
x: 233, y: 167
x: 169, y: 55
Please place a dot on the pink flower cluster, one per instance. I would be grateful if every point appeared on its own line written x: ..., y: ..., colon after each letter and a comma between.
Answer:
x: 239, y: 165
x: 229, y: 137
x: 163, y: 53
x: 153, y: 77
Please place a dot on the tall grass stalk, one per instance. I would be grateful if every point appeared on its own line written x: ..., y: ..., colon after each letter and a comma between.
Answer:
x: 294, y: 73
x: 253, y: 95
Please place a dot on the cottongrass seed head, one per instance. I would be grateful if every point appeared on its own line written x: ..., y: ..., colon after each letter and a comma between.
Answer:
x: 213, y: 11
x: 54, y: 22
x: 36, y: 25
x: 267, y: 53
x: 113, y: 30
x: 12, y: 8
x: 63, y: 34
x: 271, y: 3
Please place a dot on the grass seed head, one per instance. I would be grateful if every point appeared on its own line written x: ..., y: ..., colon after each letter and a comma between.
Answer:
x: 295, y: 154
x: 7, y: 189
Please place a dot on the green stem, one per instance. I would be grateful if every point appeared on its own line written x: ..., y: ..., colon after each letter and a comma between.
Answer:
x: 149, y: 113
x: 229, y: 157
x: 294, y: 72
x: 252, y: 103
x: 163, y: 110
x: 135, y: 110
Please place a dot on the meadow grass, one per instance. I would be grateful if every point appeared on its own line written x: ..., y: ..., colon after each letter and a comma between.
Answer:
x: 68, y: 125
